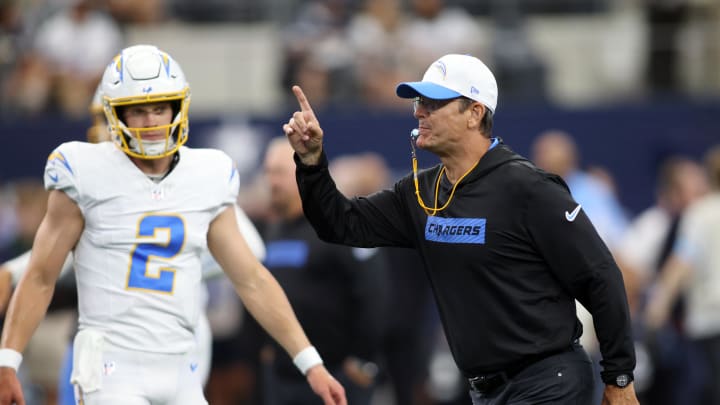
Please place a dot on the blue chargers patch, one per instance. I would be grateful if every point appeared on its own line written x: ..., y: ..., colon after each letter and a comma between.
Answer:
x: 455, y: 230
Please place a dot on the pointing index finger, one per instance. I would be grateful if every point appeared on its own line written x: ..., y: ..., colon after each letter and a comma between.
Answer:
x: 303, y: 101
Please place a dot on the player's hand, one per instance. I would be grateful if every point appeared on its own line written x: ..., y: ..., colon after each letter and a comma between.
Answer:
x: 619, y: 396
x: 325, y: 386
x: 10, y: 390
x: 303, y: 131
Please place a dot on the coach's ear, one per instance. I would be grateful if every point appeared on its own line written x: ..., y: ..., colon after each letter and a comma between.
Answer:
x: 477, y: 112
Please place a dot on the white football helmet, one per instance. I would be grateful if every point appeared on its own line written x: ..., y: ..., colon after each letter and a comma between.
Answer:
x: 143, y: 74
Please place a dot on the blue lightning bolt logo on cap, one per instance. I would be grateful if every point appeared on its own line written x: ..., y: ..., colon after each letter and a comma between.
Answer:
x: 441, y: 66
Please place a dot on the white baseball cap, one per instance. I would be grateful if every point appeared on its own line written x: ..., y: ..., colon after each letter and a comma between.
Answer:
x: 453, y: 76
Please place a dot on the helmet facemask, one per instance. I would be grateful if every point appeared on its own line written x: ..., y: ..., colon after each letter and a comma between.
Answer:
x: 130, y: 139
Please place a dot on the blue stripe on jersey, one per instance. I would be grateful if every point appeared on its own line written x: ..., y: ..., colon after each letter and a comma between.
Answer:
x: 286, y: 253
x: 455, y: 230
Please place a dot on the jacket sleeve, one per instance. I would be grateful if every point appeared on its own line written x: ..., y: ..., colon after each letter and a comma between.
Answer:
x: 376, y: 220
x: 568, y: 242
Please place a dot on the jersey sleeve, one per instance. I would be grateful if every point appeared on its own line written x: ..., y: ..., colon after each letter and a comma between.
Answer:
x: 61, y: 171
x: 227, y: 186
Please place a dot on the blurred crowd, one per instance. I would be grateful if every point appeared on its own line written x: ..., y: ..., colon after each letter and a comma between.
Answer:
x: 52, y: 51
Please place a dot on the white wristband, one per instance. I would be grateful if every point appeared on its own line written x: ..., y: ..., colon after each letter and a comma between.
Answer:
x: 306, y: 359
x: 10, y: 358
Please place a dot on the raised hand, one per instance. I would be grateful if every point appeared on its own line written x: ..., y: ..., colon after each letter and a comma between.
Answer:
x: 303, y: 131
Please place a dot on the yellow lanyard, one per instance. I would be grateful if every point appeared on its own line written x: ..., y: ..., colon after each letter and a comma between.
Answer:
x: 434, y: 210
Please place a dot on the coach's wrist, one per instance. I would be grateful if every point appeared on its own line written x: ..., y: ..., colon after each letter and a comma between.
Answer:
x: 311, y: 159
x: 10, y: 358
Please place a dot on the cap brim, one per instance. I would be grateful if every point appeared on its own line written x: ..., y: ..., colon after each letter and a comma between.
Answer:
x: 425, y: 89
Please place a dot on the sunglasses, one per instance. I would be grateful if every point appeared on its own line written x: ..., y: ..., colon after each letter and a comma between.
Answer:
x: 430, y: 104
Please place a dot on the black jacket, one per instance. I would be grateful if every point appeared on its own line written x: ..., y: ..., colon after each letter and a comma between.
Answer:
x: 506, y: 259
x: 337, y: 295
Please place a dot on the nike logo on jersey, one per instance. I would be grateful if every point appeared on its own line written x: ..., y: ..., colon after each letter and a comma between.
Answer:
x: 570, y: 216
x: 193, y: 367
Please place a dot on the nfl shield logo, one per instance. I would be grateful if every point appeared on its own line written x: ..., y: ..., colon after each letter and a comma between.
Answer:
x: 157, y: 194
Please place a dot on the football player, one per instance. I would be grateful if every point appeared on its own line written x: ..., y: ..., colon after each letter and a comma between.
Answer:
x: 137, y: 214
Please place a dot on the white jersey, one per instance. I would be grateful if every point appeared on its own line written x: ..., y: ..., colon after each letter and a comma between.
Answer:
x: 698, y: 244
x: 138, y: 260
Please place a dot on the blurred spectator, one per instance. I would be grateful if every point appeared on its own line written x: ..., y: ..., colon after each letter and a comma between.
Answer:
x: 435, y: 29
x: 337, y: 294
x: 10, y: 47
x: 645, y: 249
x: 516, y: 64
x: 70, y: 51
x: 411, y: 330
x: 43, y: 355
x: 361, y: 174
x: 693, y: 269
x: 316, y: 54
x: 646, y: 243
x: 30, y: 201
x: 665, y: 19
x: 215, y: 11
x: 375, y: 36
x: 556, y: 152
x: 138, y: 11
x: 8, y: 223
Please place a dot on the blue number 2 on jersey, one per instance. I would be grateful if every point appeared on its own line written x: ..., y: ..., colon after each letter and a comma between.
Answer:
x: 143, y: 252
